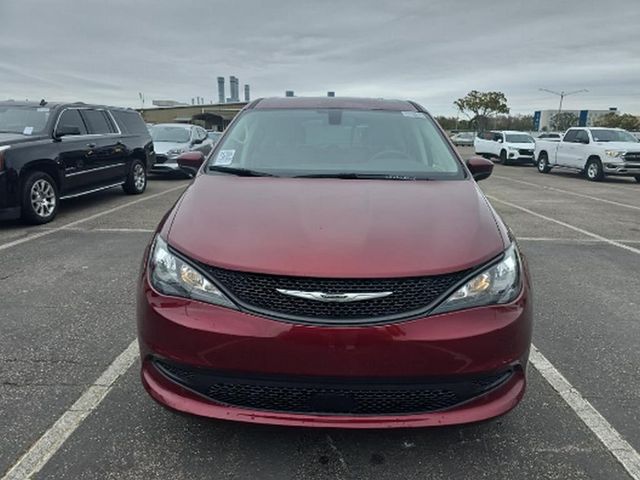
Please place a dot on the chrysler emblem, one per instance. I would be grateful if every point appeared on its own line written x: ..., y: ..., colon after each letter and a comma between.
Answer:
x: 334, y: 297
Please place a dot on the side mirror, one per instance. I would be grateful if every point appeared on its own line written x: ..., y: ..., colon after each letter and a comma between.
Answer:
x: 190, y: 162
x: 480, y: 168
x: 65, y: 130
x: 197, y: 141
x: 585, y: 141
x: 499, y: 140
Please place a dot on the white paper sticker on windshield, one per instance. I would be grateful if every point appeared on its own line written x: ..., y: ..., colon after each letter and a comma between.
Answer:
x: 27, y: 131
x: 414, y: 114
x: 225, y: 157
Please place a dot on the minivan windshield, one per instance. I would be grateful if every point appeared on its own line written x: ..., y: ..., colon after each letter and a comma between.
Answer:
x: 167, y: 133
x: 26, y: 120
x: 341, y: 143
x: 604, y: 135
x: 519, y: 138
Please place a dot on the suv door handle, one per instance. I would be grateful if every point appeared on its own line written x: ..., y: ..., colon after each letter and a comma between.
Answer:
x: 91, y: 145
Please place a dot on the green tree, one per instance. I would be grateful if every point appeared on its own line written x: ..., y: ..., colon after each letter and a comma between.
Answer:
x: 613, y: 120
x: 479, y: 106
x: 563, y: 120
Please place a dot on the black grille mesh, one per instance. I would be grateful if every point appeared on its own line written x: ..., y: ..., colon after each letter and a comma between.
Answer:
x: 260, y: 292
x: 355, y: 398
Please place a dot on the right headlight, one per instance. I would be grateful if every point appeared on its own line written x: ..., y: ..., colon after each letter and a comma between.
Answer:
x: 498, y: 284
x: 173, y: 276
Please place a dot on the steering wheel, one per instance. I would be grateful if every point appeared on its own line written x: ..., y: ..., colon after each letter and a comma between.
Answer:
x: 396, y: 153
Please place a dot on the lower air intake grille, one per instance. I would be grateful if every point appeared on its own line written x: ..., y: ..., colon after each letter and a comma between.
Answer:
x: 331, y: 396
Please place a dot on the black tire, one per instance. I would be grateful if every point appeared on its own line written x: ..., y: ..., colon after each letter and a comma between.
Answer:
x: 593, y: 170
x: 40, y: 198
x: 637, y: 177
x: 543, y: 163
x: 136, y: 182
x: 503, y: 158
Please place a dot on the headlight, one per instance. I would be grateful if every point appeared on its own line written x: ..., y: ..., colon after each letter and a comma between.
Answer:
x: 614, y: 153
x: 499, y: 283
x: 171, y: 275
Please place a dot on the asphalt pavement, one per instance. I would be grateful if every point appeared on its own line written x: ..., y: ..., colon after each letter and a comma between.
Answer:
x: 67, y: 310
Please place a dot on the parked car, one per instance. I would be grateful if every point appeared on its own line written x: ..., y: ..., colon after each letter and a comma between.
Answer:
x: 172, y: 139
x: 334, y: 264
x: 462, y: 139
x: 214, y: 136
x: 509, y: 146
x: 595, y: 151
x: 54, y: 151
x: 552, y: 136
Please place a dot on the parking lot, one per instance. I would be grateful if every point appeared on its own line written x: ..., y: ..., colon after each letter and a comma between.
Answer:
x: 68, y: 334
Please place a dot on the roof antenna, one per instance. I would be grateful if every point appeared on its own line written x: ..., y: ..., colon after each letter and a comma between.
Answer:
x: 43, y: 102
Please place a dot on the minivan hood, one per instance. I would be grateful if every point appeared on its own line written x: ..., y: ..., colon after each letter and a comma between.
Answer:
x: 335, y: 228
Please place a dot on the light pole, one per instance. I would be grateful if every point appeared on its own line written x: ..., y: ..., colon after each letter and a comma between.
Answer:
x: 562, y: 94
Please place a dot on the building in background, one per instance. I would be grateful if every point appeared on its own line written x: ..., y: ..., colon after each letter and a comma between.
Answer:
x: 543, y: 119
x: 221, y: 96
x: 167, y: 103
x: 234, y: 94
x: 247, y: 93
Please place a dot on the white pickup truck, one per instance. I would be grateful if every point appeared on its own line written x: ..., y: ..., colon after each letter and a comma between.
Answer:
x: 596, y: 152
x: 508, y: 146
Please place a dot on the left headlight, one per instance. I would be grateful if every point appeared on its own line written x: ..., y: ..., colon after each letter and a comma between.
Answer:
x: 614, y: 153
x: 172, y: 275
x: 176, y: 151
x: 498, y: 284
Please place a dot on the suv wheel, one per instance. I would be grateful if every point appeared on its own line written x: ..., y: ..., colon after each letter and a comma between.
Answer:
x: 503, y: 157
x: 39, y: 198
x: 594, y: 170
x: 637, y: 177
x: 136, y: 182
x: 543, y: 163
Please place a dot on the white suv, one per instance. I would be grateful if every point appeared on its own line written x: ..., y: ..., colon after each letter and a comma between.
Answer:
x: 509, y: 146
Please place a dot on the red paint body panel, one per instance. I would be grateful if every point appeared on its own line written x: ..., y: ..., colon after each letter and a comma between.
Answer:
x: 336, y: 228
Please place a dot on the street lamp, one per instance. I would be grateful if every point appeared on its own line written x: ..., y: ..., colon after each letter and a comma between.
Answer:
x: 562, y: 94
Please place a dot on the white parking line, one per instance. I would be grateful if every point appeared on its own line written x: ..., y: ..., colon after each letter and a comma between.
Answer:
x: 50, y: 442
x: 44, y: 233
x: 567, y: 225
x: 609, y: 436
x: 571, y: 240
x: 568, y: 192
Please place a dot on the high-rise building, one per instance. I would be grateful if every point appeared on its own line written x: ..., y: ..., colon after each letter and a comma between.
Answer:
x: 221, y: 90
x: 234, y: 94
x: 247, y: 96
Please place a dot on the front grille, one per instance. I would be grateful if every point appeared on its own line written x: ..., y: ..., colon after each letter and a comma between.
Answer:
x: 632, y: 156
x: 526, y: 152
x: 331, y: 396
x: 258, y: 292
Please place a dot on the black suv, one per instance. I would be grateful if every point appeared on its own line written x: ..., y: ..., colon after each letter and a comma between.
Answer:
x: 49, y: 152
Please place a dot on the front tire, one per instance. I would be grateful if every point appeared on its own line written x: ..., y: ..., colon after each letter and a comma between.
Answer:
x: 503, y: 157
x: 543, y: 163
x: 136, y: 182
x: 40, y: 198
x: 594, y: 170
x: 637, y: 177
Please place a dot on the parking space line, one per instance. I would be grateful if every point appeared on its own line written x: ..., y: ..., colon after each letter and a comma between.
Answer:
x: 569, y: 192
x: 50, y: 442
x: 44, y: 233
x: 571, y: 240
x: 111, y: 230
x: 567, y: 225
x: 609, y: 436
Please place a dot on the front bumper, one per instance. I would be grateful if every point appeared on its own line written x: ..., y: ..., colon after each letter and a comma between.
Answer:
x: 453, y: 347
x: 520, y: 156
x: 621, y: 168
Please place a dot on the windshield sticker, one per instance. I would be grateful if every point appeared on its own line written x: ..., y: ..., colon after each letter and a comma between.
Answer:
x: 414, y: 114
x: 27, y: 131
x: 225, y: 157
x: 43, y: 109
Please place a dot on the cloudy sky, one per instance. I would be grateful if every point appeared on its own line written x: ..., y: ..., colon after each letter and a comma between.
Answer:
x: 432, y: 51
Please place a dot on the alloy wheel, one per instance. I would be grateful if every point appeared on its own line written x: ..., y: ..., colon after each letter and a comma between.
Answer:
x: 43, y: 198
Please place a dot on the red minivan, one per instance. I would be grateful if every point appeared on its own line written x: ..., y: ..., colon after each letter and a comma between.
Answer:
x: 334, y: 264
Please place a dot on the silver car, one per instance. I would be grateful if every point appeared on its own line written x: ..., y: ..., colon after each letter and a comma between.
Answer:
x: 463, y: 139
x: 170, y: 140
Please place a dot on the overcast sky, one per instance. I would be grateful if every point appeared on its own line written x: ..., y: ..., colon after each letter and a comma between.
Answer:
x: 431, y: 51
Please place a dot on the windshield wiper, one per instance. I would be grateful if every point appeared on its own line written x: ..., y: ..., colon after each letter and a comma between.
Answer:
x: 241, y: 172
x: 362, y: 176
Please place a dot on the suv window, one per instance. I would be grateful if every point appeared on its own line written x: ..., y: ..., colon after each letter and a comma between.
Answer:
x: 582, y: 137
x: 570, y: 136
x: 130, y: 122
x: 72, y: 119
x: 497, y: 136
x: 97, y: 121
